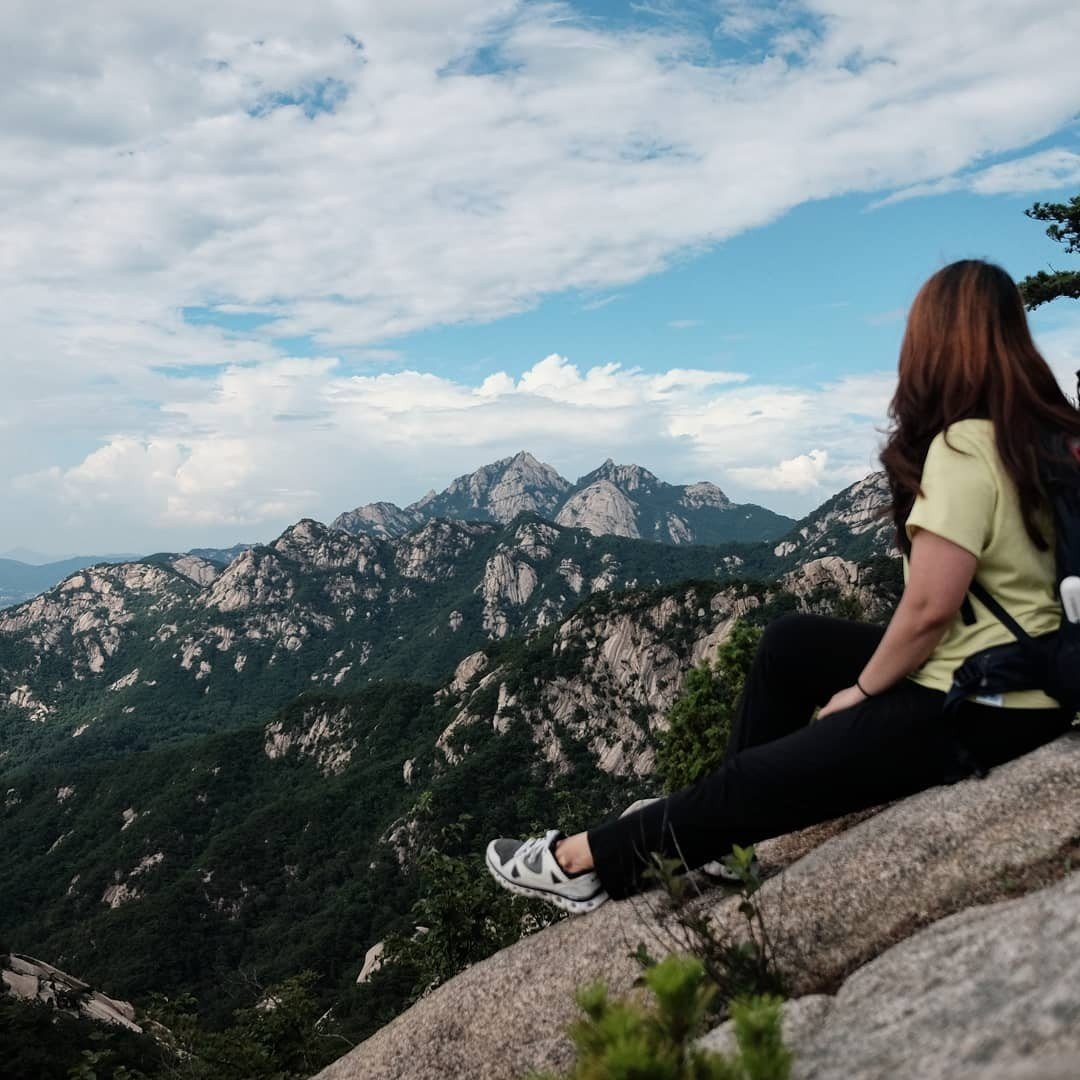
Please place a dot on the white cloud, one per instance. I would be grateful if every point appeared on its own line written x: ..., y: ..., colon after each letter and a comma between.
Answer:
x: 1048, y: 170
x: 234, y: 461
x: 169, y: 157
x: 442, y: 191
x: 600, y: 302
x: 255, y: 448
x: 803, y: 474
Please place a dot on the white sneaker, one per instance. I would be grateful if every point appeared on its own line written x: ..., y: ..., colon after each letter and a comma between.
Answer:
x: 529, y: 868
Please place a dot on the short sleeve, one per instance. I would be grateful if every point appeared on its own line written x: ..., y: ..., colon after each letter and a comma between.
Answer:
x: 959, y: 493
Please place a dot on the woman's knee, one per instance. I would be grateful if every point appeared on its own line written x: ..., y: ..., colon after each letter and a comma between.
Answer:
x: 789, y: 634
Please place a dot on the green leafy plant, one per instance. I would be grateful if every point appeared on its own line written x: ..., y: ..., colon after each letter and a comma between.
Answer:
x: 737, y: 966
x: 284, y: 1036
x: 465, y: 919
x: 626, y: 1040
x: 99, y: 1064
x: 699, y: 723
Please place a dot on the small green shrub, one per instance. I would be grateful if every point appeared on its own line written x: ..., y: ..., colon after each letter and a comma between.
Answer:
x: 466, y: 918
x: 625, y: 1040
x: 737, y: 966
x: 699, y: 723
x: 285, y: 1036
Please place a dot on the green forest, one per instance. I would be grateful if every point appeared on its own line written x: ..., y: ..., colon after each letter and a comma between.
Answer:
x: 251, y: 871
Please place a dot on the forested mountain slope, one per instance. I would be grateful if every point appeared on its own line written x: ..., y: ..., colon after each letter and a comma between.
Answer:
x: 119, y: 658
x: 298, y: 842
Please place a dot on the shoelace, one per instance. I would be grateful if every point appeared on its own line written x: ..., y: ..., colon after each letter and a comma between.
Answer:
x: 535, y: 846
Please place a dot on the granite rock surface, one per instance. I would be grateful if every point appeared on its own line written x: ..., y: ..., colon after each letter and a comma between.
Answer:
x: 847, y: 895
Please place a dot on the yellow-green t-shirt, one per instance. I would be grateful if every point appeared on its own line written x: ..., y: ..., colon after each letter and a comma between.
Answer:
x: 968, y: 498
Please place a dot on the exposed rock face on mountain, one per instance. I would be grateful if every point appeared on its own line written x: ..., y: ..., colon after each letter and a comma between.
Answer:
x: 201, y: 571
x: 32, y: 980
x: 321, y: 736
x: 20, y: 581
x: 850, y: 524
x: 905, y: 868
x: 613, y: 500
x: 616, y: 668
x: 704, y: 494
x: 627, y: 500
x: 601, y: 508
x: 628, y: 478
x: 624, y: 669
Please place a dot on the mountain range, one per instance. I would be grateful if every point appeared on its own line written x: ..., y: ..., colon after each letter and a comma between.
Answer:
x: 20, y: 580
x: 296, y: 839
x: 613, y: 500
x: 210, y: 765
x: 141, y: 654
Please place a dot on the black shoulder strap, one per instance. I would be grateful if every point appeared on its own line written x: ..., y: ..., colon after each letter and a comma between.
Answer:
x: 978, y: 590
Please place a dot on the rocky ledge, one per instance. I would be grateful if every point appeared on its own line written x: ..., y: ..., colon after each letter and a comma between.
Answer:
x: 33, y: 980
x: 850, y: 909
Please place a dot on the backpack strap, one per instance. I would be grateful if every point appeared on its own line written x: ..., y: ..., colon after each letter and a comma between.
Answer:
x: 979, y: 591
x: 967, y: 612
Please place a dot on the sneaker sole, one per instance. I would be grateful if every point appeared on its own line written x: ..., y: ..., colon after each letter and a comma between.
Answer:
x: 575, y: 907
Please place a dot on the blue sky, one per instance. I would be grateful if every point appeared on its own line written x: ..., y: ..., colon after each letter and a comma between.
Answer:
x: 338, y: 257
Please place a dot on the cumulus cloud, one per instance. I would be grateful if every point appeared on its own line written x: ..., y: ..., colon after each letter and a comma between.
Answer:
x: 803, y: 473
x: 353, y: 173
x: 438, y: 185
x: 255, y: 447
x: 231, y: 462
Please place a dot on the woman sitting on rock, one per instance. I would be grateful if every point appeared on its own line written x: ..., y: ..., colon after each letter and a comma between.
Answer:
x: 974, y: 394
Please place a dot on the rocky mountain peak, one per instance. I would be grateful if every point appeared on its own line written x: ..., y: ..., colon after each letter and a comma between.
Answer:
x: 643, y: 506
x: 314, y: 545
x: 382, y: 519
x: 856, y: 520
x: 626, y: 477
x: 701, y: 495
x: 499, y: 491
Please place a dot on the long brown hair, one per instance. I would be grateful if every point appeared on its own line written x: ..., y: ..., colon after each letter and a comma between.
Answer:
x: 967, y: 352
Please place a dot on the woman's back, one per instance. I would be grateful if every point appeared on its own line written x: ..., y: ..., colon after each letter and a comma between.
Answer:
x: 968, y: 498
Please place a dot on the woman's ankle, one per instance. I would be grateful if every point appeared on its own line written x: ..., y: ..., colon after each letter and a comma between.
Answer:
x: 573, y: 854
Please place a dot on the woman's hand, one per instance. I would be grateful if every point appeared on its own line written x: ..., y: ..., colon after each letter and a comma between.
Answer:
x: 843, y: 699
x: 938, y: 580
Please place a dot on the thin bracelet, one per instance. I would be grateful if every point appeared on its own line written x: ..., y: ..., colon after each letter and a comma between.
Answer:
x: 859, y: 686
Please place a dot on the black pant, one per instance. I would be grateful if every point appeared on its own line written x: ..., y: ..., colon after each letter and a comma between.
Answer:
x: 782, y: 773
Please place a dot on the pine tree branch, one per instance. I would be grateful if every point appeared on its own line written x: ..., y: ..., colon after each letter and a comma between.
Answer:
x: 1041, y: 288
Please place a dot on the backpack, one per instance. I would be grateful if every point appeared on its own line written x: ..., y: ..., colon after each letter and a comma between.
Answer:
x: 1049, y: 662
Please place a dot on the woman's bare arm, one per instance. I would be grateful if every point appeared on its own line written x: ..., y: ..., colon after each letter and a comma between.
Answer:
x: 939, y: 576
